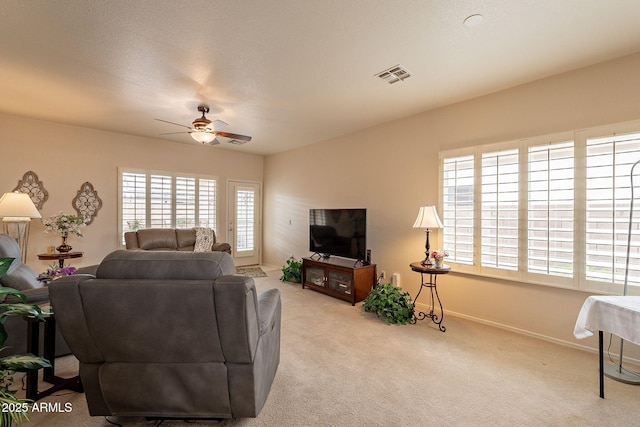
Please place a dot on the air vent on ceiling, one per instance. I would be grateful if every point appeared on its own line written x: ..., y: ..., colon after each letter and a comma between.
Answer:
x: 236, y: 142
x: 394, y: 74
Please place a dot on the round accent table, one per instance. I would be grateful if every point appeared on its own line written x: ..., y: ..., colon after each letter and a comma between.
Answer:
x: 60, y: 257
x: 432, y: 273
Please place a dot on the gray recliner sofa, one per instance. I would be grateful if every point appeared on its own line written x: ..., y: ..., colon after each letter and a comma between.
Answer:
x: 171, y: 335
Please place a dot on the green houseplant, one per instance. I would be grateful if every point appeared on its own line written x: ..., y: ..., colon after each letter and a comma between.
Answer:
x: 292, y: 271
x: 389, y: 303
x: 14, y: 409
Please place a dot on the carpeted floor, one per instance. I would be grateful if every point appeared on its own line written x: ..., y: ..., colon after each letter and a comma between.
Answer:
x: 341, y: 366
x: 250, y: 271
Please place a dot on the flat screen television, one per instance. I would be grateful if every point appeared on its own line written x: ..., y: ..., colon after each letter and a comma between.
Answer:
x: 338, y: 232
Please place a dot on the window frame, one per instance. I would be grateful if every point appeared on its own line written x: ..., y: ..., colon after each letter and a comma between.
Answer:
x: 174, y: 178
x: 578, y: 281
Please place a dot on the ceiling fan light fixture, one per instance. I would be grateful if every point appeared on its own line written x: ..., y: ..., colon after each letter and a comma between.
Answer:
x: 202, y: 136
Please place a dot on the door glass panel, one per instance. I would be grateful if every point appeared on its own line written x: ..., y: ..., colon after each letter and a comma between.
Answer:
x: 245, y: 217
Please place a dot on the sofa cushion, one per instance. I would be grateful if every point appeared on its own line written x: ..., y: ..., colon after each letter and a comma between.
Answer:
x: 186, y: 239
x: 165, y: 265
x: 157, y: 239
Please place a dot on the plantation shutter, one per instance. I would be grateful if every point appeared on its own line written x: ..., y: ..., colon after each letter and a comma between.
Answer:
x: 551, y: 209
x: 458, y: 208
x: 160, y: 200
x: 185, y: 202
x: 207, y: 203
x: 499, y: 212
x: 133, y: 201
x: 608, y: 199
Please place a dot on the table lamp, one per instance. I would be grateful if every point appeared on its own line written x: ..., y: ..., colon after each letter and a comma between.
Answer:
x: 16, y: 211
x: 427, y: 219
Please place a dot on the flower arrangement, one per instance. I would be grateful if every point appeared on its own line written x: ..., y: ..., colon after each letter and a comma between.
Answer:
x: 64, y: 224
x: 439, y: 255
x: 55, y: 271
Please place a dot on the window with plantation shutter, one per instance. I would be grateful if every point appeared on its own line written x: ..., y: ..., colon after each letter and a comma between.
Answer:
x: 207, y: 203
x: 245, y: 219
x: 551, y: 210
x: 160, y: 201
x: 133, y: 196
x: 151, y: 199
x: 185, y: 202
x: 458, y: 208
x: 499, y: 213
x: 608, y: 199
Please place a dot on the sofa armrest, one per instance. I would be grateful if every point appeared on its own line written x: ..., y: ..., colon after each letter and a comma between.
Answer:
x: 131, y: 240
x: 268, y: 307
x: 91, y: 270
x: 221, y: 247
x: 34, y: 296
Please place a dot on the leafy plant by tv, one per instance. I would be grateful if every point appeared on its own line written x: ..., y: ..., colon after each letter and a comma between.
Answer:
x: 16, y: 363
x: 389, y: 303
x: 292, y: 271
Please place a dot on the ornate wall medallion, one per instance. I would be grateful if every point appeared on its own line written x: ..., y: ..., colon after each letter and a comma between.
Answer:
x: 31, y: 185
x: 87, y: 202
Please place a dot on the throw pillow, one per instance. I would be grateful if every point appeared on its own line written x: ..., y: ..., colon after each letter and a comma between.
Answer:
x: 204, y: 239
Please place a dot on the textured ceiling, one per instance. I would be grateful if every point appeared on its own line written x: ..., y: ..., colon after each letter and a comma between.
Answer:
x: 286, y: 72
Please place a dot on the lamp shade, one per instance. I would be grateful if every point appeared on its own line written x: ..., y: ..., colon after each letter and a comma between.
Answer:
x: 203, y: 136
x: 18, y: 205
x: 427, y: 218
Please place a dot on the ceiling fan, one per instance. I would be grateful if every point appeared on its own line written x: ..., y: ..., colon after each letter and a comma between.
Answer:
x: 204, y: 130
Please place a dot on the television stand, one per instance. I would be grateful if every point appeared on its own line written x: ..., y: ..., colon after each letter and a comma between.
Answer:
x: 338, y: 277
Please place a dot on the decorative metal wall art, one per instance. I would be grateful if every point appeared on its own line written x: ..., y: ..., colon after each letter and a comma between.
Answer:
x: 87, y: 203
x: 31, y: 185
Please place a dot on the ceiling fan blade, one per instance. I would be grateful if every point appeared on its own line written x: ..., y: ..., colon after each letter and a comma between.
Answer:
x: 219, y: 124
x: 234, y: 136
x: 215, y: 141
x: 171, y: 133
x: 177, y: 124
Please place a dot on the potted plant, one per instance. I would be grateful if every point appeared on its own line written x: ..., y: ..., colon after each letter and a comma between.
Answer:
x: 64, y: 225
x: 389, y: 303
x: 438, y: 258
x: 15, y: 409
x: 292, y: 271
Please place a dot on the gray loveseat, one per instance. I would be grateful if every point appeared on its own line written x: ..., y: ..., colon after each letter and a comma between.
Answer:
x: 171, y: 335
x: 169, y: 239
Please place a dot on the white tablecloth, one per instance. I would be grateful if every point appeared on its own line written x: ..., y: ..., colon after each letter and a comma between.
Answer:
x: 619, y: 315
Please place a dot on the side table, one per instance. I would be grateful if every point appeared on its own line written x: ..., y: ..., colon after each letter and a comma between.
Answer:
x: 49, y: 353
x: 60, y: 257
x: 432, y: 273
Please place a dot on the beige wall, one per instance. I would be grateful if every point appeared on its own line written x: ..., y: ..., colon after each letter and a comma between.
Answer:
x: 393, y: 169
x: 65, y: 156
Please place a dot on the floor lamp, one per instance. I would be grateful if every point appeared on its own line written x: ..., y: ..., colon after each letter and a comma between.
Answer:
x: 16, y: 211
x: 427, y: 219
x: 617, y: 372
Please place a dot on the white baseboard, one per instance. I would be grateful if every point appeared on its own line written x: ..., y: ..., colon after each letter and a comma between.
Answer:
x: 425, y: 308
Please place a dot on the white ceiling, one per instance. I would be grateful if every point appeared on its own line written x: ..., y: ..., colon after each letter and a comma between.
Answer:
x: 286, y: 72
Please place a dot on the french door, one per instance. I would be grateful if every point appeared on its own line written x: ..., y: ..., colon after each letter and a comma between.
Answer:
x: 244, y: 221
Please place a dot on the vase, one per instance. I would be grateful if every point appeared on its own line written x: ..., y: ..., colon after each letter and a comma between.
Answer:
x: 64, y: 248
x: 437, y: 263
